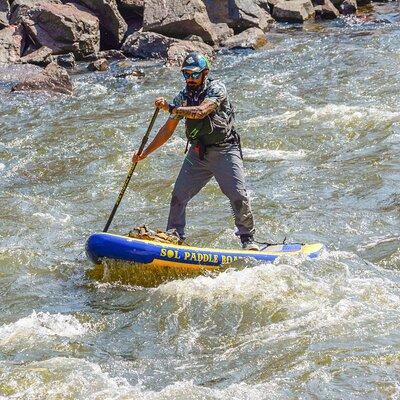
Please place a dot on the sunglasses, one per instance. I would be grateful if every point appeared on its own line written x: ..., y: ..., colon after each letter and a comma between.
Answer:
x: 193, y: 75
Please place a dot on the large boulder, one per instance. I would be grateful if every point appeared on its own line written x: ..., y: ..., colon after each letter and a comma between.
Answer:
x: 154, y: 45
x: 252, y: 38
x: 53, y: 79
x: 20, y: 8
x: 178, y: 51
x: 293, y: 10
x: 147, y: 45
x: 132, y: 13
x: 4, y: 13
x: 112, y: 25
x: 179, y: 19
x: 12, y: 42
x: 324, y: 9
x: 240, y: 14
x: 63, y: 28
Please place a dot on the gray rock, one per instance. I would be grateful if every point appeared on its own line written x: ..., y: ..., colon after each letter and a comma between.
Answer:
x: 348, y: 7
x: 240, y: 14
x: 247, y: 14
x: 147, y: 45
x: 293, y: 10
x: 218, y: 11
x: 66, y: 60
x: 112, y: 25
x: 98, y: 65
x: 221, y: 32
x: 4, y: 13
x: 345, y: 6
x: 20, y: 8
x: 252, y: 38
x: 107, y: 54
x: 179, y: 19
x: 12, y: 42
x: 134, y: 5
x: 178, y: 51
x: 154, y: 45
x: 41, y: 57
x: 324, y: 9
x: 53, y: 79
x: 63, y: 28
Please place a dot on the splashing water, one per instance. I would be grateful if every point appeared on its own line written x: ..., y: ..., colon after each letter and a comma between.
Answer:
x: 318, y: 111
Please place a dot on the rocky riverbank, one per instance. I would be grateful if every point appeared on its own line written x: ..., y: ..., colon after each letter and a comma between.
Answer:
x: 56, y: 32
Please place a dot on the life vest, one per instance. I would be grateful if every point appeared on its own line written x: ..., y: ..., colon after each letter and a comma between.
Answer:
x: 215, y: 128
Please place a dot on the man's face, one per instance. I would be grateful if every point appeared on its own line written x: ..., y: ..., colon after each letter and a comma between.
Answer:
x: 193, y: 79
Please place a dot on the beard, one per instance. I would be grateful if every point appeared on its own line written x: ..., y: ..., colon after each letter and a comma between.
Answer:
x: 193, y: 86
x: 196, y: 86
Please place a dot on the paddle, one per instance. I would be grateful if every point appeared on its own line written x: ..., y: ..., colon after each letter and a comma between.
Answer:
x: 131, y: 170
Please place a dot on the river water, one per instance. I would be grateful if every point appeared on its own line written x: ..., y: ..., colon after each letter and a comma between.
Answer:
x: 319, y: 113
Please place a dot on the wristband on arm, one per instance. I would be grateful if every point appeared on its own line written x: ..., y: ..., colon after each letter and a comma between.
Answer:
x: 171, y: 107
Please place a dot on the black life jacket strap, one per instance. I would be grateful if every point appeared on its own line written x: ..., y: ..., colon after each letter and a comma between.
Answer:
x: 238, y: 140
x: 202, y: 149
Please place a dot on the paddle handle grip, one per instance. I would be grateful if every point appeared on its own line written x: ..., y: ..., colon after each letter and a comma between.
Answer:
x: 131, y: 171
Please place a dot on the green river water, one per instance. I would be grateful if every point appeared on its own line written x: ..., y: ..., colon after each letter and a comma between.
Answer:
x: 319, y: 113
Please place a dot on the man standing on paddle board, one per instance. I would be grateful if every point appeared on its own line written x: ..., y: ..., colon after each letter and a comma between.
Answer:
x: 214, y: 147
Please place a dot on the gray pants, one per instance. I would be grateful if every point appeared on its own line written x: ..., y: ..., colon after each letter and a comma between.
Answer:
x: 225, y: 164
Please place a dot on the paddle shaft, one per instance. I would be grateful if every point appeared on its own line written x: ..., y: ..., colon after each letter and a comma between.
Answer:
x: 131, y: 170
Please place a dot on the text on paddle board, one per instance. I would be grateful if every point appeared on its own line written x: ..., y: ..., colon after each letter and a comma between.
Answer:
x: 196, y: 256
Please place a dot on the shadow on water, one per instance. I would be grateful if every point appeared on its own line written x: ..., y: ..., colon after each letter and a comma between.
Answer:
x: 137, y: 274
x: 147, y: 275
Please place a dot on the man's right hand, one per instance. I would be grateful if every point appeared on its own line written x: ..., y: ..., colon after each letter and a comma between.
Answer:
x: 138, y: 157
x: 161, y: 103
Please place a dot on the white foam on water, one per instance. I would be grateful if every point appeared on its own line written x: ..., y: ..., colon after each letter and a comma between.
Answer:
x: 339, y: 299
x: 51, y: 218
x: 255, y: 122
x: 39, y: 326
x: 349, y: 114
x: 105, y: 287
x: 272, y: 155
x: 61, y: 377
x: 242, y: 391
x: 21, y: 164
x: 231, y: 285
x: 177, y: 144
x: 377, y: 241
x: 90, y: 89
